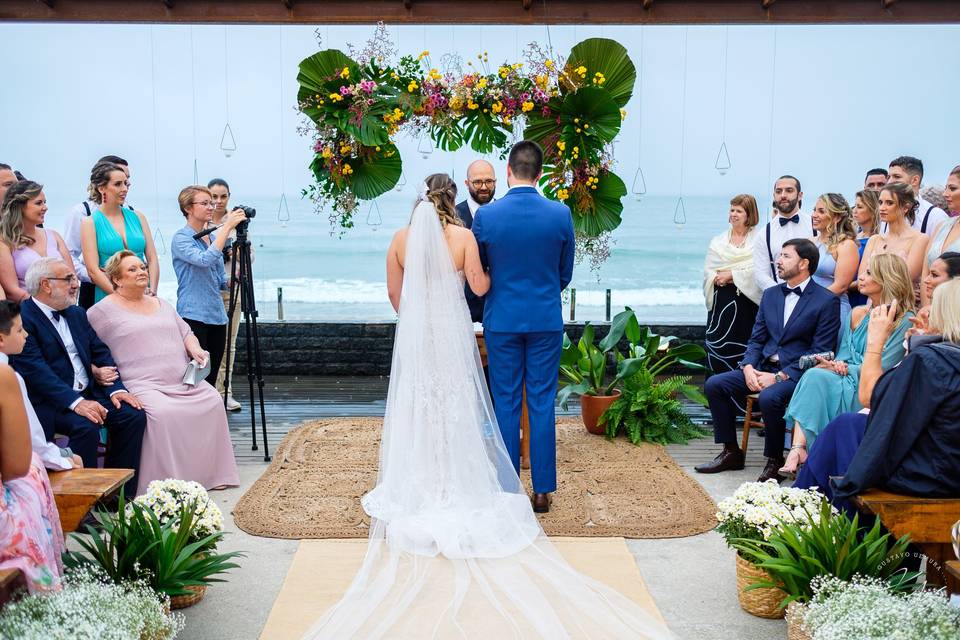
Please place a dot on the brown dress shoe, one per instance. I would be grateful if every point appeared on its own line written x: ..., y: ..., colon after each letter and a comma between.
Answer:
x: 772, y: 470
x: 730, y: 459
x: 541, y: 502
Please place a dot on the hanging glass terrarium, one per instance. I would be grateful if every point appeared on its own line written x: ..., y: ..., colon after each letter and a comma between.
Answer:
x: 680, y: 214
x: 639, y: 188
x: 283, y: 211
x: 401, y: 183
x: 374, y: 219
x: 722, y: 164
x: 228, y: 144
x: 425, y: 147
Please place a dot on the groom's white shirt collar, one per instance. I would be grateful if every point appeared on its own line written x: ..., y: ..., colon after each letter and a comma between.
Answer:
x: 523, y: 186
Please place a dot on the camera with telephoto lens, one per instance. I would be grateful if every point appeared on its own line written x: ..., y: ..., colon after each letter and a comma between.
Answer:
x: 250, y: 212
x: 810, y: 360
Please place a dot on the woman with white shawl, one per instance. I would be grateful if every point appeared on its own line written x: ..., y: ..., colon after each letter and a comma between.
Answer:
x: 729, y: 287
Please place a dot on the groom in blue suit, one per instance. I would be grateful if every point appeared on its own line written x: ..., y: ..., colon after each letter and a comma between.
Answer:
x: 526, y: 241
x: 796, y: 318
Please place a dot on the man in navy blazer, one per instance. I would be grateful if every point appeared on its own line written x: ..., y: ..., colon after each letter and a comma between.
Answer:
x: 481, y: 186
x: 70, y: 375
x: 796, y: 318
x: 527, y: 243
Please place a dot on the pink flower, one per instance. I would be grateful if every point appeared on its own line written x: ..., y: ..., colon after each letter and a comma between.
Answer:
x: 345, y: 90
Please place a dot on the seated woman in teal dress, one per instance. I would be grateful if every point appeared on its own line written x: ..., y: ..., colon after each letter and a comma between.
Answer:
x: 832, y: 220
x: 113, y: 227
x: 830, y: 388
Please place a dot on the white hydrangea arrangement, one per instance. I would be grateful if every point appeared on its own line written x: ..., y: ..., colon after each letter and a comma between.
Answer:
x: 756, y: 508
x: 165, y: 497
x: 90, y: 606
x: 864, y: 608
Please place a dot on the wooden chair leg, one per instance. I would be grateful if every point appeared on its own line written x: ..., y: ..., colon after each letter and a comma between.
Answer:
x: 747, y: 422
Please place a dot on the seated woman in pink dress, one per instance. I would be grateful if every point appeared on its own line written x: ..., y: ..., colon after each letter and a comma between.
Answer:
x: 31, y: 539
x: 187, y: 436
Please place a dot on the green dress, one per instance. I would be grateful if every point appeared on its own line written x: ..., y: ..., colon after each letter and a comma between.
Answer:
x: 822, y: 395
x: 109, y: 241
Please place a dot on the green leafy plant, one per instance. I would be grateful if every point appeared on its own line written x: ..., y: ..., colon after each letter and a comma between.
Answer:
x: 134, y: 545
x: 826, y: 544
x: 583, y: 366
x: 650, y: 412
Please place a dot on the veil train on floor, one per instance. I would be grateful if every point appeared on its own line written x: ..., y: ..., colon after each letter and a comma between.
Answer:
x: 455, y: 550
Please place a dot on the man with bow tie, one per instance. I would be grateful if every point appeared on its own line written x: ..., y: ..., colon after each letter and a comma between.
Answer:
x: 71, y: 378
x: 789, y: 223
x: 796, y: 318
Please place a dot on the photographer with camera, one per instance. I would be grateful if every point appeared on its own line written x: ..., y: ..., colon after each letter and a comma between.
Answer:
x: 220, y: 191
x: 198, y: 262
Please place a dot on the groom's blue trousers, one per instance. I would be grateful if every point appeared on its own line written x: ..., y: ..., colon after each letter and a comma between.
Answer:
x: 531, y: 359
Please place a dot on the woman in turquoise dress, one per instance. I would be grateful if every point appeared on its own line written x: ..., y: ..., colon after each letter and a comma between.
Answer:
x: 866, y: 217
x: 839, y: 259
x: 830, y: 388
x: 113, y: 227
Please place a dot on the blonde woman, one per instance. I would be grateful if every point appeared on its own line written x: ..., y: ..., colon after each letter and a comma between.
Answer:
x: 23, y: 240
x: 867, y: 219
x: 730, y: 288
x: 898, y: 210
x: 833, y: 222
x: 946, y: 237
x: 830, y: 388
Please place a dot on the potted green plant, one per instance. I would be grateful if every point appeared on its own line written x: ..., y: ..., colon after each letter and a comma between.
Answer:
x: 825, y: 542
x: 133, y: 544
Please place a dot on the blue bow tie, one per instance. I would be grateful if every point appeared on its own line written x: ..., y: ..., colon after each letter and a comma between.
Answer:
x: 55, y: 315
x: 784, y: 221
x: 787, y: 290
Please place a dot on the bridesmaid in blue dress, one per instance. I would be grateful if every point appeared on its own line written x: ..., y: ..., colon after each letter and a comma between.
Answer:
x: 866, y: 217
x: 830, y: 388
x: 833, y: 222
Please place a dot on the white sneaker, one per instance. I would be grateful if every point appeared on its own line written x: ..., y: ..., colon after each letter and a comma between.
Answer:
x: 233, y: 405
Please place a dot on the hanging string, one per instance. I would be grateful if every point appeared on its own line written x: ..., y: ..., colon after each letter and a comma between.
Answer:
x: 157, y: 234
x: 639, y: 187
x: 773, y: 94
x: 679, y: 214
x: 193, y: 103
x: 228, y: 144
x: 283, y: 209
x: 723, y: 99
x: 546, y: 23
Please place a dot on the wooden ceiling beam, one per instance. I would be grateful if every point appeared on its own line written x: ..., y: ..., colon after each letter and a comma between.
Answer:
x: 396, y: 12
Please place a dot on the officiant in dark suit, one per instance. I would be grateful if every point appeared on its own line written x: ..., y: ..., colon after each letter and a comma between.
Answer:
x: 796, y: 318
x: 481, y: 186
x: 70, y: 375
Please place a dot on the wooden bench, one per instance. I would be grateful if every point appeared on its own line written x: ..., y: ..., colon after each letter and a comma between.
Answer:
x: 926, y: 520
x: 77, y: 490
x: 11, y: 581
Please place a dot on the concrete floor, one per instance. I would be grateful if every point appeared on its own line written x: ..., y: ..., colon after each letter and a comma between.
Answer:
x: 691, y: 579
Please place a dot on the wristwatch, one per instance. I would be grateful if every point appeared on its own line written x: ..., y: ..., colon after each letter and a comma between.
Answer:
x: 780, y: 376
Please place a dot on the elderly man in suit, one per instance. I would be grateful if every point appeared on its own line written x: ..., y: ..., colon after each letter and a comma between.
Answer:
x: 796, y: 318
x: 70, y: 375
x: 481, y: 186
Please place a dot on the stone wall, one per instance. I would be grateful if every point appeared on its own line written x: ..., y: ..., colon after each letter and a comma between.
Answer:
x: 363, y: 349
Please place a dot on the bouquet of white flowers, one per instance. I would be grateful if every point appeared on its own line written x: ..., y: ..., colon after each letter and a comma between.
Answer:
x: 756, y: 508
x: 864, y: 608
x: 165, y: 497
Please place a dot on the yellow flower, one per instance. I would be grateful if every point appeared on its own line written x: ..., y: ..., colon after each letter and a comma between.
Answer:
x: 581, y: 71
x: 472, y: 105
x: 542, y: 81
x: 345, y: 73
x: 482, y: 83
x: 623, y: 114
x: 345, y: 148
x: 497, y: 107
x: 526, y: 106
x: 394, y: 75
x: 423, y: 54
x: 435, y: 75
x: 327, y: 152
x: 507, y: 120
x: 599, y: 78
x: 456, y: 103
x: 377, y: 148
x: 335, y: 97
x: 518, y: 65
x: 561, y: 145
x: 586, y: 126
x: 548, y: 63
x: 347, y: 169
x: 504, y: 71
x: 563, y: 194
x: 413, y: 86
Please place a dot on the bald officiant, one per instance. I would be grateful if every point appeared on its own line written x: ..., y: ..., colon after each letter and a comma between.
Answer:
x: 481, y: 184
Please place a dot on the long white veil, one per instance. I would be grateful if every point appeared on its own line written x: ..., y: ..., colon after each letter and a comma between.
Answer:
x: 455, y: 550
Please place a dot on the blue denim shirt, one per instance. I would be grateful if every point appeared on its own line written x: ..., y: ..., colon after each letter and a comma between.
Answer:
x: 200, y: 278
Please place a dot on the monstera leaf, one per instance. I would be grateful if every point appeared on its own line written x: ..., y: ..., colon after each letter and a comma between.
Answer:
x: 593, y: 106
x: 609, y: 58
x: 449, y: 137
x: 544, y: 129
x: 377, y: 174
x: 484, y: 134
x: 604, y: 214
x: 316, y: 72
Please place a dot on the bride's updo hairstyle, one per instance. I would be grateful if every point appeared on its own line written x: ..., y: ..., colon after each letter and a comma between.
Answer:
x: 442, y: 193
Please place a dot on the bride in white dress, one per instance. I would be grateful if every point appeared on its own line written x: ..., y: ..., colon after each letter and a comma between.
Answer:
x: 455, y: 550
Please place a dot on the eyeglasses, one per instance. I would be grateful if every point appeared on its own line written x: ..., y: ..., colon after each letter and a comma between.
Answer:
x: 205, y: 203
x: 69, y: 279
x: 482, y: 183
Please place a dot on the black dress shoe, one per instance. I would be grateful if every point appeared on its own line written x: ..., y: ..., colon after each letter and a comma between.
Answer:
x: 772, y: 470
x: 541, y: 502
x: 730, y: 459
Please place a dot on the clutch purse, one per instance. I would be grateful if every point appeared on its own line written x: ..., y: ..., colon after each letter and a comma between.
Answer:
x: 195, y: 373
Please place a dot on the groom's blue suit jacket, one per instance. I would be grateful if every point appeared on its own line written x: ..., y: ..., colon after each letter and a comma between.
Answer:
x: 527, y: 243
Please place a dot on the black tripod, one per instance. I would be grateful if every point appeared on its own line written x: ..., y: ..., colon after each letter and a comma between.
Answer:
x: 241, y: 288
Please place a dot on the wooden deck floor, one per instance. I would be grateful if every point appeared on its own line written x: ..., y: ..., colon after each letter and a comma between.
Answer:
x: 292, y: 400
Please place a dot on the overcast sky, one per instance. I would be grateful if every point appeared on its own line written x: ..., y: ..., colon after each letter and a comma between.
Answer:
x: 825, y: 103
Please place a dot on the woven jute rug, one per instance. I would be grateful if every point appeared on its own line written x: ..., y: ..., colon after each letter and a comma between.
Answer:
x: 313, y: 486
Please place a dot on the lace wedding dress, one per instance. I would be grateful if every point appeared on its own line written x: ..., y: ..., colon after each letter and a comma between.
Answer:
x: 455, y: 550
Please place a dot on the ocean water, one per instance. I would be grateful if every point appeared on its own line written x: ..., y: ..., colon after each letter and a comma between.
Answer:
x: 655, y: 266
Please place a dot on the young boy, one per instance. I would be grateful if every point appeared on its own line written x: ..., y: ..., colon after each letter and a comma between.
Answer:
x: 12, y: 339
